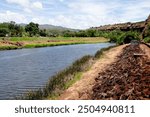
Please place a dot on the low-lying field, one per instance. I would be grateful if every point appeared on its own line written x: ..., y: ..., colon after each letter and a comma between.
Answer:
x: 33, y: 42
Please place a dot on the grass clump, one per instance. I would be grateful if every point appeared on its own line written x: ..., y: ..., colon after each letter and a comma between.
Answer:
x: 71, y: 82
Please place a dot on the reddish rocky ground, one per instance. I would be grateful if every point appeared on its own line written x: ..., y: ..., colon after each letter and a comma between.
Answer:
x: 127, y: 78
x: 123, y: 73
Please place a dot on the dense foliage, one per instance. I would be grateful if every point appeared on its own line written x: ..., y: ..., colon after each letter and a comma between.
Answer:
x: 10, y: 29
x: 115, y: 36
x: 32, y: 29
x: 147, y: 34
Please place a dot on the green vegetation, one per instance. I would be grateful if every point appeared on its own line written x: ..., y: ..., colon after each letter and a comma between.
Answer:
x: 147, y: 34
x: 31, y: 36
x: 32, y: 29
x: 64, y: 79
x: 10, y: 29
x: 117, y: 36
x: 3, y: 32
x: 8, y: 47
x: 147, y: 39
x: 34, y: 42
x: 71, y: 82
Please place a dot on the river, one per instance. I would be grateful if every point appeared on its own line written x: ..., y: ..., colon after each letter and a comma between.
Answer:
x: 25, y: 69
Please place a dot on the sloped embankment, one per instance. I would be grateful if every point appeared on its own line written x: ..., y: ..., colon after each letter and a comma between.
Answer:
x: 82, y: 89
x: 127, y: 78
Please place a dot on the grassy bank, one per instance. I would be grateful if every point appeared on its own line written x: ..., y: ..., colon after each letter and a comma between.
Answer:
x: 64, y: 79
x: 35, y: 42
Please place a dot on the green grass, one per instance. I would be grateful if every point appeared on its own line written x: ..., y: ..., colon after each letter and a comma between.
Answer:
x: 8, y: 47
x: 71, y: 82
x: 56, y: 38
x: 64, y: 79
x: 36, y: 42
x: 55, y: 44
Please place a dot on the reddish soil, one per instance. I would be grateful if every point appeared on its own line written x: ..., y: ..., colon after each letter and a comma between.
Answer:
x: 123, y: 73
x: 127, y: 78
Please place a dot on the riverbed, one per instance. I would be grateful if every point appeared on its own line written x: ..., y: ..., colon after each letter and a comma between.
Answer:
x: 26, y: 69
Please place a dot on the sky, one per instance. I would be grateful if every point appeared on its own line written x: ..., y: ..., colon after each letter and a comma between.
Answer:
x: 77, y: 14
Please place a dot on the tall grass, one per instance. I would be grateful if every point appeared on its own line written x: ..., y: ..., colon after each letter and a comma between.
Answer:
x: 64, y: 79
x: 8, y: 47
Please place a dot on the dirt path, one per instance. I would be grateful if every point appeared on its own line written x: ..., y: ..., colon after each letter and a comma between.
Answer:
x: 83, y: 89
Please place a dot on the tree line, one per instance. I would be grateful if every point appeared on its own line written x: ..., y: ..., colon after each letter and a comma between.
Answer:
x: 32, y: 29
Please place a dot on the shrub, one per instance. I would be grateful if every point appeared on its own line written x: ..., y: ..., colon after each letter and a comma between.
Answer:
x: 127, y: 37
x: 147, y: 39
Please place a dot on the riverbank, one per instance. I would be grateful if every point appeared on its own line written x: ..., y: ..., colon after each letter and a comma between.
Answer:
x: 122, y: 74
x: 82, y: 89
x: 66, y: 78
x: 36, y: 42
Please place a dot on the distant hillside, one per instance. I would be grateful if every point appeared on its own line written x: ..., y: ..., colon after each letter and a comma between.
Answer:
x: 122, y: 26
x: 52, y: 27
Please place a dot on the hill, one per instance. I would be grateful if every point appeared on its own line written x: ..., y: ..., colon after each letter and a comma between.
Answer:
x: 52, y: 27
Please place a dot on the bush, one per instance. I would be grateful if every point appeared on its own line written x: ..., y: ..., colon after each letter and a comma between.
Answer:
x: 126, y: 37
x: 147, y: 40
x: 3, y: 32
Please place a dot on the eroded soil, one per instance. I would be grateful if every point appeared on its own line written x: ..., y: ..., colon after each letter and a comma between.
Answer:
x: 127, y: 78
x: 123, y: 73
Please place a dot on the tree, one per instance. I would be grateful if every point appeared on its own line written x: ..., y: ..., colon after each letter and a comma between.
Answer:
x: 32, y: 28
x: 3, y: 32
x: 14, y: 29
x: 43, y: 33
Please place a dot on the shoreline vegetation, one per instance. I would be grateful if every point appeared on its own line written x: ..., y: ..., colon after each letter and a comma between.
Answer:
x: 36, y: 42
x: 58, y: 83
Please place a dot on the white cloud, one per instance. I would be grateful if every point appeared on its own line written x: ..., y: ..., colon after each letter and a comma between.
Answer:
x: 39, y: 20
x: 88, y: 8
x: 23, y: 3
x: 100, y: 12
x: 28, y: 5
x: 61, y: 0
x: 82, y: 13
x: 136, y: 12
x: 37, y: 5
x: 27, y: 10
x: 12, y: 16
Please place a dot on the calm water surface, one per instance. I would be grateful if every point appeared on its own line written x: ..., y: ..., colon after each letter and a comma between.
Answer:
x: 25, y: 69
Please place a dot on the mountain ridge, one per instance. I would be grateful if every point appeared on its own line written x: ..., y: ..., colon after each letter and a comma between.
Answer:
x: 51, y: 27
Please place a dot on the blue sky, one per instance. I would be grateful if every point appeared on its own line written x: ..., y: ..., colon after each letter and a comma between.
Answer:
x: 79, y: 14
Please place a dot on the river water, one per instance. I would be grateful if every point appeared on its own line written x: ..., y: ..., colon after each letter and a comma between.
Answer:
x: 25, y: 69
